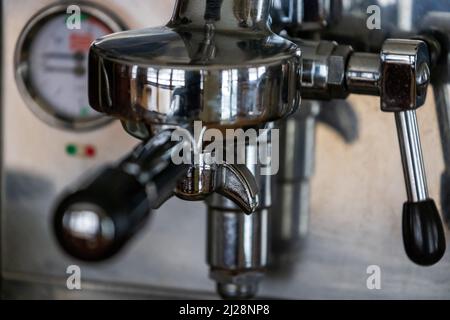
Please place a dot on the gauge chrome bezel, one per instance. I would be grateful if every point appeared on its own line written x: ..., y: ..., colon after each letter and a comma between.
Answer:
x: 42, y: 109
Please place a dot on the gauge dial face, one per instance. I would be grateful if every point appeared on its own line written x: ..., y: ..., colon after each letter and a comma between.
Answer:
x: 53, y: 67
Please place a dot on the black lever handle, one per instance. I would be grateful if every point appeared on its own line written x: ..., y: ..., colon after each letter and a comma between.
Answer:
x: 423, y: 233
x: 405, y: 76
x: 95, y: 221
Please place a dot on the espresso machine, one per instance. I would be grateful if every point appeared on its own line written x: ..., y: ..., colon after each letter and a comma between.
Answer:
x: 93, y: 183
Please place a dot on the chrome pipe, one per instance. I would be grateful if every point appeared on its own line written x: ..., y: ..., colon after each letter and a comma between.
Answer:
x: 412, y: 157
x: 237, y: 243
x: 290, y: 209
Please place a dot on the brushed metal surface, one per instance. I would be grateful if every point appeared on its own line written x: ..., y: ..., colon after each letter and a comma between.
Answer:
x: 357, y: 195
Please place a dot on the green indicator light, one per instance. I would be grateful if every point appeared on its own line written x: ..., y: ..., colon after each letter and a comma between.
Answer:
x: 71, y: 149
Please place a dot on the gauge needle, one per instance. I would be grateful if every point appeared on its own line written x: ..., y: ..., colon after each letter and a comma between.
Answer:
x: 77, y: 70
x: 77, y: 56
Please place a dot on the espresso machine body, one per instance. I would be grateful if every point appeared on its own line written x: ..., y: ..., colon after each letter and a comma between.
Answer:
x: 354, y: 190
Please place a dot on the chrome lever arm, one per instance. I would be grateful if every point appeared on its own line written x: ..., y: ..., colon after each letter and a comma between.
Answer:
x: 400, y: 76
x: 405, y: 76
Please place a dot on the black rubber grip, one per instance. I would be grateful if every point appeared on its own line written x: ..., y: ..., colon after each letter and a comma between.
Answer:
x: 117, y: 198
x: 423, y: 232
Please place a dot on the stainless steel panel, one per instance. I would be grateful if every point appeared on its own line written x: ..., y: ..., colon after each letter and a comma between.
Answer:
x: 355, y: 222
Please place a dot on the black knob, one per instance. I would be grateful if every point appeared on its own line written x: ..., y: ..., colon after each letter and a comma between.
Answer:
x: 423, y: 233
x: 95, y: 221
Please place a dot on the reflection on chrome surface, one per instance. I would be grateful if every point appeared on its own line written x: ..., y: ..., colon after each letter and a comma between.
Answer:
x: 231, y: 72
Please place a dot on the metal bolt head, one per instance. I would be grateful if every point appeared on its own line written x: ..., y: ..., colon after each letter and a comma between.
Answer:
x: 323, y: 69
x: 336, y: 75
x: 405, y: 74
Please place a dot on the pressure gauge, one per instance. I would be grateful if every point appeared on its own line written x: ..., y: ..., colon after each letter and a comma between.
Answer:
x: 51, y: 62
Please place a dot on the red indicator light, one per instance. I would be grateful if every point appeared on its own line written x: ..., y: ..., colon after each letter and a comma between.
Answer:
x: 89, y: 151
